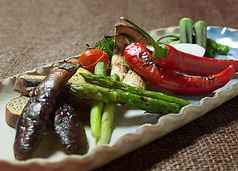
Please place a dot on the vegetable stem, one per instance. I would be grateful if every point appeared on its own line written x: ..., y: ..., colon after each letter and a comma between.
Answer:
x: 160, y: 51
x: 113, y: 84
x: 186, y: 30
x: 219, y: 48
x: 175, y: 37
x: 107, y: 119
x: 106, y: 95
x: 107, y: 123
x: 200, y: 29
x: 97, y: 107
x: 95, y: 118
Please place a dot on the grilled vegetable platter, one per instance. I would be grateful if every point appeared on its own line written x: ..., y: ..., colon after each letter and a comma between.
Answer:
x: 118, y: 95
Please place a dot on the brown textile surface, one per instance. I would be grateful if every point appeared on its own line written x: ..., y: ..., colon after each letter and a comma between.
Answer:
x: 34, y: 33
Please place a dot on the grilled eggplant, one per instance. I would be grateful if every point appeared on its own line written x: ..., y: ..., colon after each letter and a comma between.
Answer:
x: 13, y: 110
x: 32, y: 123
x: 69, y: 129
x: 24, y: 84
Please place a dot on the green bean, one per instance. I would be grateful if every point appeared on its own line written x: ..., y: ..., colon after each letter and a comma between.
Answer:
x: 200, y: 29
x: 186, y: 30
x: 219, y: 48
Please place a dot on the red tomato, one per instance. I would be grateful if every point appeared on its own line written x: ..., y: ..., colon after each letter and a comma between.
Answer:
x: 73, y: 61
x: 89, y: 58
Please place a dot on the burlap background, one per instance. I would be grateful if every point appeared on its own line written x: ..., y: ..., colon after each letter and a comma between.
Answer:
x: 34, y: 33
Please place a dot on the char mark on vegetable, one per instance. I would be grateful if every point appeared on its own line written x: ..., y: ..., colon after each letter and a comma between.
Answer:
x: 31, y: 124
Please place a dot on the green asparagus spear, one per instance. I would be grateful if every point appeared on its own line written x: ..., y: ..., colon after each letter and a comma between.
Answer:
x: 107, y: 119
x: 186, y: 30
x: 97, y: 107
x: 106, y: 95
x: 109, y: 83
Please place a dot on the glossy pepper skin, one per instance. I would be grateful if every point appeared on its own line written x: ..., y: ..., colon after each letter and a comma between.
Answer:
x: 168, y: 57
x: 191, y: 64
x: 140, y: 59
x: 32, y: 123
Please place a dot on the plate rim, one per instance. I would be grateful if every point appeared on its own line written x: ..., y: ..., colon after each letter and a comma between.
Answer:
x: 90, y: 160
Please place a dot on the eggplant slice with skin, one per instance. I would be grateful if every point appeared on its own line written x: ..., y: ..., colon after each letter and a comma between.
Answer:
x: 32, y: 123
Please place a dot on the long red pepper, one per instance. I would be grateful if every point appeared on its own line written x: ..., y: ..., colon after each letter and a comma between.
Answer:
x: 140, y: 59
x: 193, y: 65
x: 168, y: 57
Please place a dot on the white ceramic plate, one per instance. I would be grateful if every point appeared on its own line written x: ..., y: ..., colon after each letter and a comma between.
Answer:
x: 132, y: 128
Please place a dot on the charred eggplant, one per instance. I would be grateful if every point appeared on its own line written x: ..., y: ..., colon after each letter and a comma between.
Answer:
x: 32, y: 123
x: 69, y: 129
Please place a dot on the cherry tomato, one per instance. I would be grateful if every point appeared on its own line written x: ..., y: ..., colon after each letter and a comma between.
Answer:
x: 73, y: 61
x: 89, y: 58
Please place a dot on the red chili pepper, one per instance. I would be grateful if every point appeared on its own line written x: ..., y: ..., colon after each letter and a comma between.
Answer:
x: 140, y: 59
x: 193, y: 65
x: 168, y: 57
x: 89, y: 58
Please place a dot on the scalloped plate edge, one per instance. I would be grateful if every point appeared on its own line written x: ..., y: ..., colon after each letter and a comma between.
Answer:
x: 145, y: 134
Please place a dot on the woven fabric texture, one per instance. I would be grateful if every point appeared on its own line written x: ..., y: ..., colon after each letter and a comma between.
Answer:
x: 34, y: 33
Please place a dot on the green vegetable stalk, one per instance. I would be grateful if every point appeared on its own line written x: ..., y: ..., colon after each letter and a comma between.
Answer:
x: 107, y: 44
x: 200, y: 29
x: 112, y: 84
x: 97, y: 107
x: 106, y: 95
x: 186, y: 30
x: 107, y: 119
x: 95, y: 118
x: 219, y: 48
x: 197, y: 34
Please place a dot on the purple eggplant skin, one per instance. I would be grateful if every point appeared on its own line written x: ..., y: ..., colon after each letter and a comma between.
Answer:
x: 32, y: 123
x: 70, y: 130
